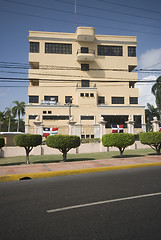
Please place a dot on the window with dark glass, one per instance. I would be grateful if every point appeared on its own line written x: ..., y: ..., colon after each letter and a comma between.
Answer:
x: 82, y: 94
x: 101, y: 100
x: 87, y: 117
x: 51, y: 98
x: 115, y: 120
x: 56, y: 117
x: 33, y: 99
x: 44, y: 112
x: 32, y: 116
x: 131, y: 51
x: 68, y: 99
x: 133, y: 100
x: 137, y: 121
x: 49, y: 112
x: 117, y: 100
x: 91, y: 94
x: 84, y: 83
x: 84, y: 67
x: 92, y: 136
x: 87, y: 94
x: 106, y: 50
x: 84, y: 49
x: 58, y: 48
x: 83, y: 136
x: 34, y: 47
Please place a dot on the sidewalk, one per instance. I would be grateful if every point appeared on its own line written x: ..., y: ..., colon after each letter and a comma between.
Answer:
x: 17, y: 172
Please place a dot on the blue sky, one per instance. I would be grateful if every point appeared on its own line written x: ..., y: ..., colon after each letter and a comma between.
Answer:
x: 114, y: 17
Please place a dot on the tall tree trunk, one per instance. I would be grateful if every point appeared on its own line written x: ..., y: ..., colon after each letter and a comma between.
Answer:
x: 28, y: 150
x: 18, y: 123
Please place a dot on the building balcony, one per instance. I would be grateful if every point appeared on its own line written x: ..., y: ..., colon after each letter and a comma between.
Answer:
x: 85, y: 34
x: 87, y: 56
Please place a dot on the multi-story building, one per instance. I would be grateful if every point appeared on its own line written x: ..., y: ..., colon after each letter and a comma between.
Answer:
x: 83, y: 76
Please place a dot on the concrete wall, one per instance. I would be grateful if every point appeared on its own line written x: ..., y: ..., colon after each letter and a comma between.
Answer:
x: 44, y: 150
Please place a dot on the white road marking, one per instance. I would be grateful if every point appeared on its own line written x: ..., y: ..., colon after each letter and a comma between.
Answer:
x: 102, y: 202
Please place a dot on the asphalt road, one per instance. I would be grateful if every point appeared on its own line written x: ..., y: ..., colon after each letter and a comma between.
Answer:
x: 25, y: 207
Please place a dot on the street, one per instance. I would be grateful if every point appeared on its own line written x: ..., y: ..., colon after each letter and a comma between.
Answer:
x: 121, y: 204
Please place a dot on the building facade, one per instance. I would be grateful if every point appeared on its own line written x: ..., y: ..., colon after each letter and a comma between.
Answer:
x: 82, y: 77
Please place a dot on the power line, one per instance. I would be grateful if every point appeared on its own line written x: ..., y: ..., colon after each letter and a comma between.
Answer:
x: 79, y: 14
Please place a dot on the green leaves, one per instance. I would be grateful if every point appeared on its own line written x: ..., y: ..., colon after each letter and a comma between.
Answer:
x: 2, y: 143
x: 28, y: 140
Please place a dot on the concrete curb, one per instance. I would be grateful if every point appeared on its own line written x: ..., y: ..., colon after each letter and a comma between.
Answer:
x: 16, y: 177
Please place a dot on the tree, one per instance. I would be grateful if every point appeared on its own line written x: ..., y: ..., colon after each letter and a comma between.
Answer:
x: 8, y: 114
x: 156, y: 90
x: 119, y: 140
x: 63, y: 142
x: 150, y: 113
x: 18, y: 110
x: 28, y: 141
x: 153, y: 139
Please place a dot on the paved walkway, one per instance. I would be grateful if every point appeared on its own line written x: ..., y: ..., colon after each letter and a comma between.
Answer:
x: 17, y: 172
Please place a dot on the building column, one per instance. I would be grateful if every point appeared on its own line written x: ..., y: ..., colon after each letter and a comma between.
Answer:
x: 102, y: 132
x: 38, y: 126
x: 96, y: 131
x: 71, y: 124
x: 143, y: 124
x: 130, y: 125
x: 155, y: 124
x: 27, y: 128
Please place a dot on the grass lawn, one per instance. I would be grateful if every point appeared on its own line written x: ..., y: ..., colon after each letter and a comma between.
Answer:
x: 74, y: 157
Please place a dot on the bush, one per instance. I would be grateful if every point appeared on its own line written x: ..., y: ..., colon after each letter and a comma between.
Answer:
x: 63, y: 142
x: 2, y: 143
x: 90, y: 140
x: 153, y: 139
x: 119, y: 140
x: 28, y: 141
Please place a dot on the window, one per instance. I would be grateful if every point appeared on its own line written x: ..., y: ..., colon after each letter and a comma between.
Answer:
x: 101, y: 100
x: 131, y: 51
x: 117, y: 100
x: 56, y: 117
x: 91, y: 94
x: 137, y: 121
x: 32, y: 116
x: 84, y: 83
x: 49, y: 112
x: 33, y: 99
x: 34, y: 47
x: 87, y: 117
x: 68, y: 99
x: 51, y: 98
x: 82, y: 94
x: 44, y: 112
x: 92, y: 136
x: 84, y: 49
x: 133, y: 100
x: 87, y: 94
x: 115, y: 120
x: 105, y: 50
x: 83, y: 136
x: 58, y: 48
x: 84, y: 67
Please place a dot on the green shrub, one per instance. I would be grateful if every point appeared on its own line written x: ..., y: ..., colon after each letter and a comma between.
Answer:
x: 153, y: 139
x: 28, y: 141
x: 119, y: 140
x: 90, y: 140
x: 2, y: 143
x: 63, y: 142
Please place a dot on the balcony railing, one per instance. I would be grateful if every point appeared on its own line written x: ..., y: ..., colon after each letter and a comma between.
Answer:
x: 84, y: 56
x: 46, y: 102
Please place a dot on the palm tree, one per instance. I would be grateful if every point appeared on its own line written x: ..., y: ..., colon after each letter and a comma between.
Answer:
x: 156, y: 90
x: 18, y: 110
x: 150, y: 113
x: 8, y: 114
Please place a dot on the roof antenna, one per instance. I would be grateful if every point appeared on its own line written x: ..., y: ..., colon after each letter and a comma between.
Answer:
x: 75, y: 16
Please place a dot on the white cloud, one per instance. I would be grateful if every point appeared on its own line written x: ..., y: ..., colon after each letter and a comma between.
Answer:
x: 150, y: 59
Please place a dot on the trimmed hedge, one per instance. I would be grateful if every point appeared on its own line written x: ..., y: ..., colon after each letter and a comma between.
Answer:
x: 63, y: 142
x: 2, y: 143
x: 28, y: 141
x: 119, y: 140
x: 153, y: 139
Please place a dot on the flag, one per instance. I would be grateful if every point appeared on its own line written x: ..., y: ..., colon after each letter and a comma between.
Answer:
x: 49, y: 131
x: 114, y: 129
x: 117, y: 128
x: 120, y: 128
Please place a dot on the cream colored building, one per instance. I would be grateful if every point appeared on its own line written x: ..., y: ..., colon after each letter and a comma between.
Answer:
x: 83, y: 76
